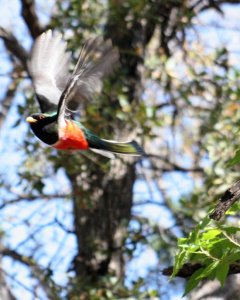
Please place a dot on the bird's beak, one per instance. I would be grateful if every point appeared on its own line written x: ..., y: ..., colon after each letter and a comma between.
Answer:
x: 31, y: 120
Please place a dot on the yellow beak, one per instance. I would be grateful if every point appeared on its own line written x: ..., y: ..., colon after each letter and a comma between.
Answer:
x: 31, y: 120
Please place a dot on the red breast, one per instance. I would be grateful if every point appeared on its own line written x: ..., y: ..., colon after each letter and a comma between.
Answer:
x: 71, y: 137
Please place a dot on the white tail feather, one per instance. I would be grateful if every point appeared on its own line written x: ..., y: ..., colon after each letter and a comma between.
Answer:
x: 103, y: 153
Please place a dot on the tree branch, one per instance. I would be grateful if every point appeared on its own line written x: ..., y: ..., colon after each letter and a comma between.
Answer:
x: 171, y: 166
x: 7, y: 100
x: 30, y: 17
x: 188, y: 269
x: 63, y: 227
x: 12, y: 277
x: 5, y: 290
x: 14, y: 47
x: 228, y: 199
x: 31, y: 198
x: 40, y: 274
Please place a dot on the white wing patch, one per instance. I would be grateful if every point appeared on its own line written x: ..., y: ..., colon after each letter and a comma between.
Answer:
x: 54, y: 86
x: 48, y: 66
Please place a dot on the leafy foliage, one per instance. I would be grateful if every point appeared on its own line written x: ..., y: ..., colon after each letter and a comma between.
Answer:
x: 215, y: 248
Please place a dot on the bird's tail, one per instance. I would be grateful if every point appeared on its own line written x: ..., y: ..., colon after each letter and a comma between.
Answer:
x: 127, y: 148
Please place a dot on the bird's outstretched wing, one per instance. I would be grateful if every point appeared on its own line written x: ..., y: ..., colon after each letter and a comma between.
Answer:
x: 97, y: 59
x: 48, y: 67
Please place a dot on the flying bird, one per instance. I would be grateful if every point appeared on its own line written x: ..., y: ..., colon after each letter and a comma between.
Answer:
x: 60, y: 93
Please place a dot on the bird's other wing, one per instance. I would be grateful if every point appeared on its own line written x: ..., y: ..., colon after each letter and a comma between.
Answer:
x: 96, y: 60
x: 48, y: 67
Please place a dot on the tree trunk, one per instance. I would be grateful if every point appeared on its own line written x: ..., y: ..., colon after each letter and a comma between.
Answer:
x: 102, y: 209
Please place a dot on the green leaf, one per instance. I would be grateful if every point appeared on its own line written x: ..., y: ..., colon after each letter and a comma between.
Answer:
x: 180, y: 259
x: 222, y: 271
x: 204, y: 223
x: 210, y: 234
x: 231, y: 229
x: 182, y: 241
x: 193, y: 281
x: 198, y: 275
x: 235, y: 160
x: 193, y: 236
x: 208, y: 270
x: 233, y: 257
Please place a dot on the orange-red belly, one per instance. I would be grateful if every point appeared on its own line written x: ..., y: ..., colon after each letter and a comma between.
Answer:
x: 71, y: 137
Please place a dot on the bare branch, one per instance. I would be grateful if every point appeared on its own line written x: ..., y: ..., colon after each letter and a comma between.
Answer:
x: 32, y: 235
x: 63, y: 227
x: 7, y: 100
x: 30, y: 17
x: 40, y: 274
x: 171, y: 166
x: 12, y: 277
x: 5, y: 290
x: 226, y: 201
x: 32, y: 198
x: 152, y: 202
x: 17, y: 51
x: 14, y: 47
x: 188, y: 269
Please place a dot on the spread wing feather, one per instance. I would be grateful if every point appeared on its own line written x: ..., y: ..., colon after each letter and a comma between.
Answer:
x: 48, y: 67
x: 96, y: 60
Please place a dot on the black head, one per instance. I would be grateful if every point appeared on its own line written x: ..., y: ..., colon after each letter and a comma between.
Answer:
x: 44, y: 127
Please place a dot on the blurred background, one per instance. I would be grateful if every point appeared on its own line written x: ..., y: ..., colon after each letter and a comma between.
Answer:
x: 80, y: 226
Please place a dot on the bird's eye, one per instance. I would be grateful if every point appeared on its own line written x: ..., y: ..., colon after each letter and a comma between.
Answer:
x: 41, y: 117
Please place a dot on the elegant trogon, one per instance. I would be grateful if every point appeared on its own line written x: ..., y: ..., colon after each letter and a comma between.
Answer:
x: 60, y: 93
